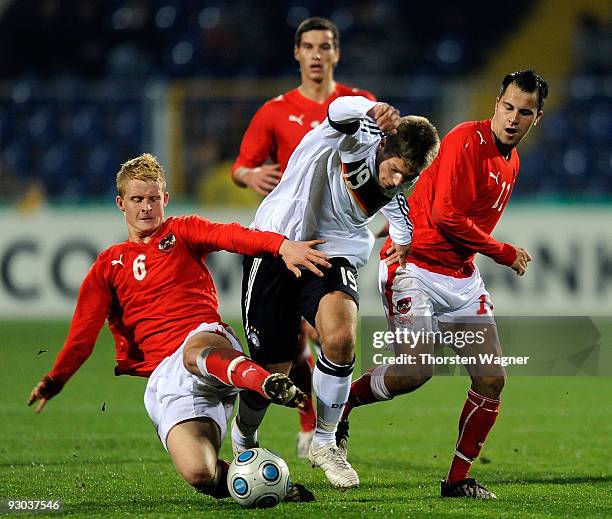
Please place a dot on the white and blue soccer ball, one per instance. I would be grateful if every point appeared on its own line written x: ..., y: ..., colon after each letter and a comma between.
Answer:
x: 258, y: 478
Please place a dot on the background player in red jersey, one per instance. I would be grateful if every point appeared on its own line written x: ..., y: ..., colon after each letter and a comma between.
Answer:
x: 279, y: 125
x: 454, y: 208
x: 161, y: 305
x: 274, y: 132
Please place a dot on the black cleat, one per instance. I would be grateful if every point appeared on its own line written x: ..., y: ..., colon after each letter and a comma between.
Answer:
x: 342, y: 435
x: 281, y: 390
x: 297, y: 493
x: 465, y: 488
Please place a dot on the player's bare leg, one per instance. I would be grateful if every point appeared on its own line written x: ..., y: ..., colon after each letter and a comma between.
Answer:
x: 385, y: 382
x: 478, y: 415
x: 301, y: 374
x: 336, y: 323
x: 193, y: 446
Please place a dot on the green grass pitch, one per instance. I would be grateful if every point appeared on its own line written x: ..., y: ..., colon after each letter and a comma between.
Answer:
x: 549, y: 455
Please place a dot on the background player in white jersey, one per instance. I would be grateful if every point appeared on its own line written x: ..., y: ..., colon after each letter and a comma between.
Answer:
x: 340, y: 175
x: 454, y: 208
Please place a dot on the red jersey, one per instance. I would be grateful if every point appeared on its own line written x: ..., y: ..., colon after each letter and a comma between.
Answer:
x: 153, y: 294
x: 458, y: 201
x: 280, y: 124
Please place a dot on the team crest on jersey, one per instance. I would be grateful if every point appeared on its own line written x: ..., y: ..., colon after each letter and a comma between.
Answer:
x: 404, y: 305
x: 167, y: 243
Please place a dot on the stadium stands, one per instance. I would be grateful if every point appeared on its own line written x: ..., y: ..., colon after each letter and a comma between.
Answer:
x: 76, y: 96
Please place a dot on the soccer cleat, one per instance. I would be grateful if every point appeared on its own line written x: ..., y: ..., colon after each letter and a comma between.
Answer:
x: 297, y: 493
x: 302, y: 446
x: 279, y: 388
x: 220, y: 490
x: 245, y: 443
x: 333, y: 462
x: 465, y: 488
x: 342, y: 436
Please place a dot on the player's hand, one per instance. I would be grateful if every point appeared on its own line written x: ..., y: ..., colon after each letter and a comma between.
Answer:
x: 520, y: 263
x: 397, y: 254
x: 262, y: 179
x: 386, y: 116
x: 46, y: 389
x: 297, y: 254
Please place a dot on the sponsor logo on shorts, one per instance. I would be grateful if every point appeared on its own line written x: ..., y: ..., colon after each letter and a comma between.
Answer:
x: 404, y: 305
x: 253, y: 339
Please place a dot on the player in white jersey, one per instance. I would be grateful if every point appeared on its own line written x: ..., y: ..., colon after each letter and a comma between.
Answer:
x: 340, y: 175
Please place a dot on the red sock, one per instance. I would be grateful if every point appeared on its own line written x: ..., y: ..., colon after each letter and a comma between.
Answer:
x: 234, y: 369
x: 308, y: 417
x: 477, y: 418
x: 361, y: 394
x: 301, y: 374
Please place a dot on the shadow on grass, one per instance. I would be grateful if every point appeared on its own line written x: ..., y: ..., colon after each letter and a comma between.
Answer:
x: 77, y: 461
x: 181, y: 507
x: 551, y: 480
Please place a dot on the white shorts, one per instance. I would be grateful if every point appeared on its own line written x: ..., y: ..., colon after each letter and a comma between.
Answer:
x: 174, y: 395
x: 411, y: 291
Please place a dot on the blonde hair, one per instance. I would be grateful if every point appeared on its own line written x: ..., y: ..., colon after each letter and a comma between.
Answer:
x: 144, y: 167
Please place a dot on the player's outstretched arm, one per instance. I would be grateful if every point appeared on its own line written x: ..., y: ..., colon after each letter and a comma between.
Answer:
x: 46, y: 389
x: 262, y: 179
x: 520, y: 263
x: 297, y: 254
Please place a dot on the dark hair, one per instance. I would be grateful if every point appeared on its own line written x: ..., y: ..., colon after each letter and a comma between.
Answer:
x: 416, y: 141
x: 317, y: 24
x: 528, y: 81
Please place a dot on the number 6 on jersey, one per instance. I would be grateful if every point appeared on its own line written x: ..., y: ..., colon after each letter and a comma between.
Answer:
x: 139, y: 268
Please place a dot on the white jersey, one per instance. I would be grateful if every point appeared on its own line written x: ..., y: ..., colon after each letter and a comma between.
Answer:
x: 330, y: 189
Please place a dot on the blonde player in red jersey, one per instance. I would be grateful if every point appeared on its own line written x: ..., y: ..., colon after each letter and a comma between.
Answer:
x: 274, y: 132
x: 455, y: 206
x: 161, y: 305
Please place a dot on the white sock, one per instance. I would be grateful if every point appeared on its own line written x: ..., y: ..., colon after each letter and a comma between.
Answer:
x: 332, y: 385
x: 377, y: 382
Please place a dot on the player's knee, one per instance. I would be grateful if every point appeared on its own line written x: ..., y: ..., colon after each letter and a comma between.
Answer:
x: 189, y: 358
x: 339, y: 346
x: 420, y: 380
x: 400, y: 385
x: 202, y: 478
x: 490, y: 387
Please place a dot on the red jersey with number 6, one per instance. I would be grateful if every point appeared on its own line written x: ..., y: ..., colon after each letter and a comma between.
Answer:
x: 280, y: 124
x: 458, y: 201
x: 153, y: 294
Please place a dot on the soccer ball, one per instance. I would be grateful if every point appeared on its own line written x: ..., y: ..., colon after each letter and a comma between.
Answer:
x: 258, y: 478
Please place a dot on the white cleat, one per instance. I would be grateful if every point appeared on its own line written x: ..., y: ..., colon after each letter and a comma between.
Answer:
x: 333, y: 462
x: 302, y: 446
x: 240, y: 442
